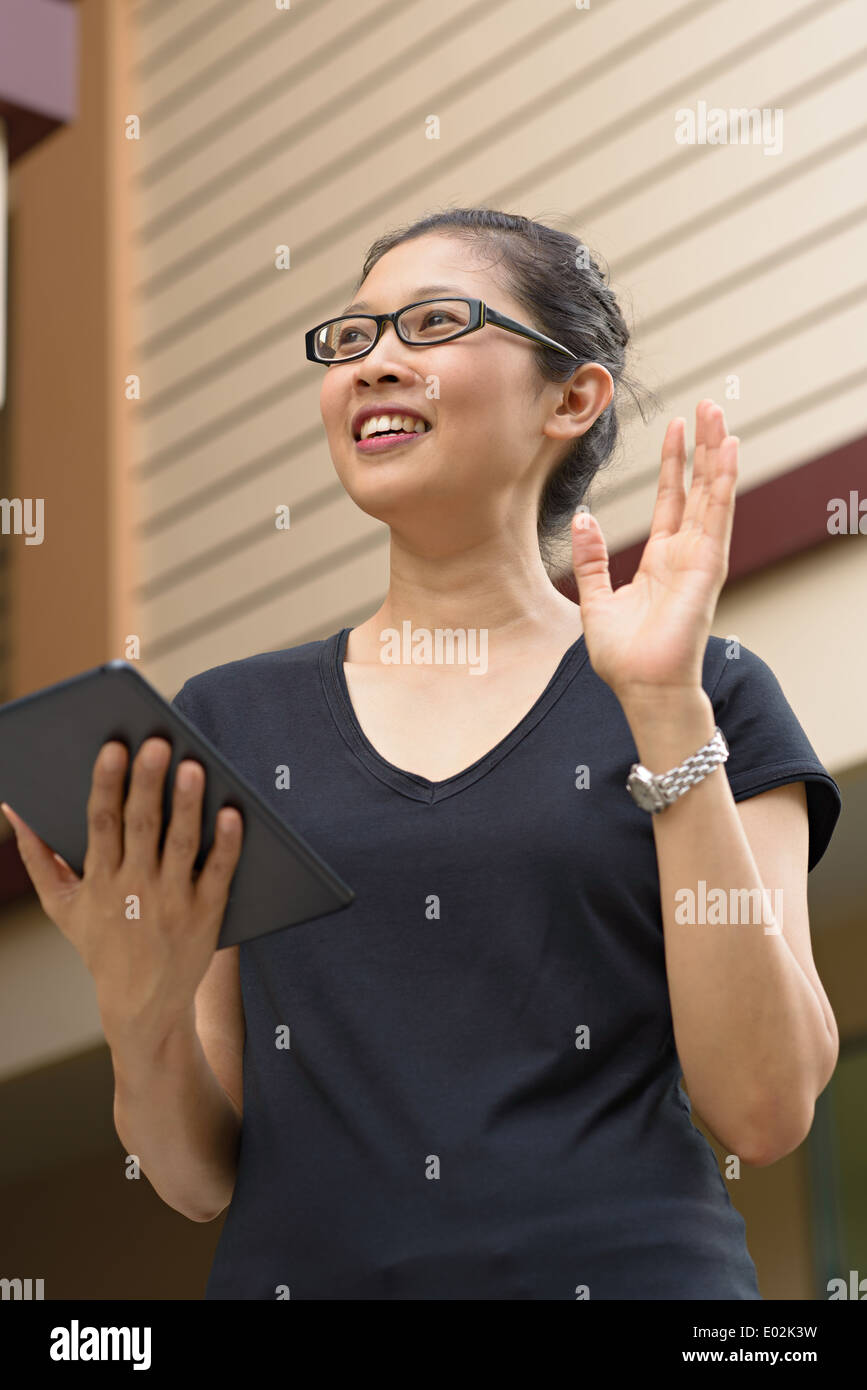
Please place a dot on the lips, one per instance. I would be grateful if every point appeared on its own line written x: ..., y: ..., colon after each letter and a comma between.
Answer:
x: 379, y: 443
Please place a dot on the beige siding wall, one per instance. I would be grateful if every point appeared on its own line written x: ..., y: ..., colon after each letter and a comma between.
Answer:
x: 306, y: 127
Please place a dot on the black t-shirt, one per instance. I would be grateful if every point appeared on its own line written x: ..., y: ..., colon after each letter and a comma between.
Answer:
x: 465, y: 1085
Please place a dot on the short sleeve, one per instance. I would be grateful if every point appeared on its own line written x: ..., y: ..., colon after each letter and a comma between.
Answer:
x: 767, y: 745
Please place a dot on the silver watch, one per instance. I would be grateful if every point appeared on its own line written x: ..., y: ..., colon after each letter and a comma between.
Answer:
x: 654, y: 792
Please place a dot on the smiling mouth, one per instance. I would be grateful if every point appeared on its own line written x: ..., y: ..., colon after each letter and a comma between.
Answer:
x: 391, y: 426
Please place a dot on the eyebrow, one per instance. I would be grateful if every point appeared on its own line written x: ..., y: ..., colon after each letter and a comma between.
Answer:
x: 420, y: 291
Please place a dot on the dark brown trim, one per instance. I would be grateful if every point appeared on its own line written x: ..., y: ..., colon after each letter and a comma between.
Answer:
x: 774, y: 521
x: 24, y: 129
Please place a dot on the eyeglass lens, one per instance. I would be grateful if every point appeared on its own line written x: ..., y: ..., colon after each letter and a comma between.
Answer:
x: 422, y: 323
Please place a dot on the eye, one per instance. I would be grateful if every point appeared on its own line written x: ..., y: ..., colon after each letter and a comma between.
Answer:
x: 437, y: 314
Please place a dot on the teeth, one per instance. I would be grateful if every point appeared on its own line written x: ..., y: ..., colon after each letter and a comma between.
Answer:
x: 410, y: 424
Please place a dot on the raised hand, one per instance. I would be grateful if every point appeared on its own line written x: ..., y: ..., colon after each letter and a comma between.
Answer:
x: 650, y: 635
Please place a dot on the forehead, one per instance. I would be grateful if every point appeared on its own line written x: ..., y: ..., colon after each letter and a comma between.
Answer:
x: 424, y: 267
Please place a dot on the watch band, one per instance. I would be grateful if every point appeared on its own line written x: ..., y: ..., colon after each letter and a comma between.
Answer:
x: 654, y: 792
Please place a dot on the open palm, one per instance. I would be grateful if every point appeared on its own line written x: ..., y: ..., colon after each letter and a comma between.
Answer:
x: 651, y: 634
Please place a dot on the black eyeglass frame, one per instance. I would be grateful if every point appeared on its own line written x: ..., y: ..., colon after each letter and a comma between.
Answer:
x: 480, y: 314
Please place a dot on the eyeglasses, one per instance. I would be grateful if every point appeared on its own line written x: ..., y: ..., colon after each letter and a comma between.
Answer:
x: 351, y: 336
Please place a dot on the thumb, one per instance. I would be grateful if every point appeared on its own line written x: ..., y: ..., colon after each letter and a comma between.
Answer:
x: 589, y: 558
x: 49, y: 874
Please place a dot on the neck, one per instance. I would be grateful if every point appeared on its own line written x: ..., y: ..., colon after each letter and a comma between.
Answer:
x: 493, y: 585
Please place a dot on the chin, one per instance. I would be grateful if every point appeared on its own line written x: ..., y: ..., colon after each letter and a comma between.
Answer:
x: 389, y: 493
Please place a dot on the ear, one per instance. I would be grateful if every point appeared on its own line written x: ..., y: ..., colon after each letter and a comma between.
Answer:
x: 579, y: 402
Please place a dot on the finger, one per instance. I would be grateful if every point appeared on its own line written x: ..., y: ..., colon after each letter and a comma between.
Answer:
x: 143, y: 809
x: 704, y: 415
x: 212, y: 885
x: 105, y: 809
x: 718, y: 519
x: 715, y: 434
x: 589, y: 559
x: 183, y: 836
x: 39, y: 861
x: 671, y: 492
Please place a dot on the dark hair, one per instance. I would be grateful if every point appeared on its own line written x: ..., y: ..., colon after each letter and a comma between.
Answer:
x: 552, y: 274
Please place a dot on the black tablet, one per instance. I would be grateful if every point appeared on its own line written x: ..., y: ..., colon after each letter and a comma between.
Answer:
x: 49, y: 742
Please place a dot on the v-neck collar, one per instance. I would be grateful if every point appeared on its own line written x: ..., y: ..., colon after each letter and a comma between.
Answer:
x: 411, y: 784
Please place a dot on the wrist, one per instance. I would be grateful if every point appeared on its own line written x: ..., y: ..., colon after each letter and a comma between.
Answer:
x: 138, y: 1070
x: 669, y: 727
x: 137, y: 1046
x: 654, y: 697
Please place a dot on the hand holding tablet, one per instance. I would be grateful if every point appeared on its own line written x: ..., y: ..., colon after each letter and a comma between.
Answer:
x: 49, y: 746
x: 143, y: 921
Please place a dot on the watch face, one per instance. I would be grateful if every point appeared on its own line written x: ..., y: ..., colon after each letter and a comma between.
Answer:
x: 643, y: 791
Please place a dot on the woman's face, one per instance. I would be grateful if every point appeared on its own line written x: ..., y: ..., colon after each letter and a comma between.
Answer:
x: 484, y: 459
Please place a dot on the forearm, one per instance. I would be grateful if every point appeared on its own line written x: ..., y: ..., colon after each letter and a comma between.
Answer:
x: 749, y: 1027
x: 171, y: 1111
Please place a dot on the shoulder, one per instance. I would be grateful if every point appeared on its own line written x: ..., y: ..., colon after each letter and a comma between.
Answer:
x: 233, y: 685
x: 749, y: 701
x: 728, y: 665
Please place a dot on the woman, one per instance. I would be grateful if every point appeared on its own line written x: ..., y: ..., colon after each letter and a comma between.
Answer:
x: 466, y: 1085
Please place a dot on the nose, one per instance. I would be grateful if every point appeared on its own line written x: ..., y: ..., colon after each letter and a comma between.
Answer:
x: 380, y: 364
